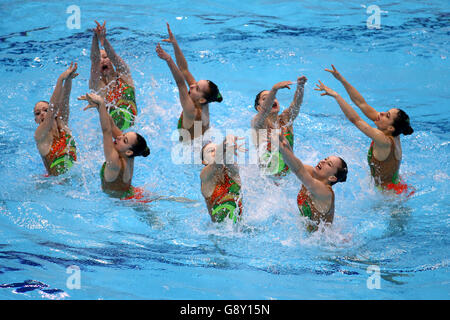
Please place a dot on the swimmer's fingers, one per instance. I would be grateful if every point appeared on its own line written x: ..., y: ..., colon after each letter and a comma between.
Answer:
x: 287, y: 85
x: 334, y: 72
x: 241, y: 148
x: 282, y: 85
x: 90, y: 106
x: 73, y: 69
x: 92, y: 98
x: 91, y: 103
x: 320, y: 87
x: 161, y: 53
x: 98, y: 28
x: 171, y: 38
x: 327, y: 90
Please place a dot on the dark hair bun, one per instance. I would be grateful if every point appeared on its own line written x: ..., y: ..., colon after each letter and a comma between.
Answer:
x: 407, y: 131
x: 401, y: 124
x: 140, y: 147
x: 146, y: 152
x: 214, y: 94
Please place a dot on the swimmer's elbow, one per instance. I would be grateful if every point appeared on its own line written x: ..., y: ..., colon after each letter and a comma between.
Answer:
x: 355, y: 120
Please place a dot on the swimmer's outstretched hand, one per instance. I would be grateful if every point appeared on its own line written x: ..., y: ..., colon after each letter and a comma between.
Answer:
x: 282, y: 85
x: 70, y: 73
x: 100, y: 31
x: 161, y: 53
x: 95, y: 101
x: 327, y: 91
x: 335, y: 73
x: 171, y: 37
x: 231, y: 141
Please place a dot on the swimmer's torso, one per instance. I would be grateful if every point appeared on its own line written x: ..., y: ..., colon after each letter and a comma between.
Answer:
x: 314, y: 209
x: 385, y: 172
x: 199, y: 123
x: 223, y: 196
x: 120, y: 101
x: 58, y: 150
x: 121, y: 183
x: 271, y: 160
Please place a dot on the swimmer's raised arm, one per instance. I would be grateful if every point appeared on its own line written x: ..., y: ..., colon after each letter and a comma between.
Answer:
x: 375, y: 134
x: 229, y: 152
x: 69, y: 74
x: 261, y: 116
x: 356, y: 97
x: 117, y: 61
x: 111, y: 154
x: 292, y: 112
x: 181, y: 60
x: 95, y: 60
x: 46, y: 125
x: 186, y: 102
x: 317, y: 188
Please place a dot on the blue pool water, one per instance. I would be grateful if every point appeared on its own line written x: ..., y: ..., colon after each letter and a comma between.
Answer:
x: 169, y: 249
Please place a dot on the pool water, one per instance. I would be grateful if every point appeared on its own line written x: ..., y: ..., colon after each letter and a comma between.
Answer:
x: 168, y: 248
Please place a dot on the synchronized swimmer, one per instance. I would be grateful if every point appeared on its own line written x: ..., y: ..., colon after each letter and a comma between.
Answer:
x: 111, y: 79
x: 195, y: 100
x: 385, y: 151
x: 114, y: 97
x: 53, y: 137
x: 268, y: 119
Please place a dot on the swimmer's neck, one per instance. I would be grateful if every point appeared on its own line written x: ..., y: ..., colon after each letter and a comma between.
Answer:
x: 323, y: 180
x: 272, y: 119
x: 128, y: 160
x: 107, y: 78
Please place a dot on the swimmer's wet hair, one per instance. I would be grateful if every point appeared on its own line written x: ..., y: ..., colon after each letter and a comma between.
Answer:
x: 257, y: 99
x: 213, y: 95
x: 401, y: 124
x: 341, y: 173
x: 42, y: 101
x: 140, y: 147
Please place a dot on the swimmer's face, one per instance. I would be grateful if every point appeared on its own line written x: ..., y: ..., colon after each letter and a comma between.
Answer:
x: 209, y: 153
x: 198, y: 91
x: 327, y: 168
x: 125, y: 142
x: 40, y: 110
x: 385, y: 120
x: 106, y: 65
x: 263, y: 96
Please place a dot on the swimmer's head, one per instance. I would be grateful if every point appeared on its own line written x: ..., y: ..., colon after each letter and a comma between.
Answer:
x: 106, y: 66
x: 394, y: 122
x: 204, y: 91
x: 208, y: 153
x: 332, y: 169
x: 131, y: 144
x: 260, y: 97
x: 40, y: 110
x: 401, y: 124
